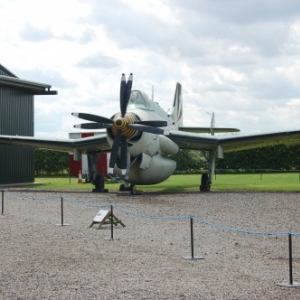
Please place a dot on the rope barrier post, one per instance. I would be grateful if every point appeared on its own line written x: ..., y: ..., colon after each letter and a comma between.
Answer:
x: 193, y: 257
x: 62, y: 213
x: 111, y: 223
x: 192, y: 237
x: 2, y: 202
x: 113, y: 220
x: 291, y: 283
x: 62, y: 210
x: 290, y: 259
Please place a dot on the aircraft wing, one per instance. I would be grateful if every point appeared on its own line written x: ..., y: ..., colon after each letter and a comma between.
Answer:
x: 194, y: 141
x: 94, y: 143
x: 185, y: 140
x: 243, y: 142
x: 208, y: 129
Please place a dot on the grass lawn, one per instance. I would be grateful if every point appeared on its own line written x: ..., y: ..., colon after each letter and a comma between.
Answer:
x: 277, y: 182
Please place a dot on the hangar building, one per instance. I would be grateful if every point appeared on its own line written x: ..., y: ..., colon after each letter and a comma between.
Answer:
x: 17, y: 118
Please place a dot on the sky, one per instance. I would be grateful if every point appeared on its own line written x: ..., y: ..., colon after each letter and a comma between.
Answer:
x: 238, y: 59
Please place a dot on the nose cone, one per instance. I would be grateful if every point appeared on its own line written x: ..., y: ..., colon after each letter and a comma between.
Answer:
x: 119, y: 122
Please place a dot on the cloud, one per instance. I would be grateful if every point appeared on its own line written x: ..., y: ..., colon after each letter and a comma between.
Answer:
x: 238, y: 58
x: 35, y: 34
x: 241, y: 12
x: 99, y: 61
x: 87, y: 36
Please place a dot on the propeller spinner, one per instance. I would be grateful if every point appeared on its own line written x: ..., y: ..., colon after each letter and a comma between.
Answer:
x: 124, y: 125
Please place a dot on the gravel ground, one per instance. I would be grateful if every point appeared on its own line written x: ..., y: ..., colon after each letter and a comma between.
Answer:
x: 40, y: 260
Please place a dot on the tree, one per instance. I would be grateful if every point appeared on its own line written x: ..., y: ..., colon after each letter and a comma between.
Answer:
x: 279, y: 157
x: 50, y: 162
x: 188, y: 160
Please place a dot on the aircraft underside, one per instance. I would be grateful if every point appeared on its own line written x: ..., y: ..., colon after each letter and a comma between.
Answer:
x: 144, y: 170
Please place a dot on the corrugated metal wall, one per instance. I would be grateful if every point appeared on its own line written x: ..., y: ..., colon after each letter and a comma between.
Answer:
x: 16, y: 118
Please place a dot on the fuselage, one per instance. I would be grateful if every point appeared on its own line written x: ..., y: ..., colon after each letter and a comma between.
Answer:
x: 149, y: 160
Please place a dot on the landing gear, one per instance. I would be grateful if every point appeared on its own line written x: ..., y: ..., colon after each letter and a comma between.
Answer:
x: 122, y: 187
x: 206, y: 179
x: 96, y: 179
x: 99, y: 184
x: 131, y: 188
x: 205, y: 183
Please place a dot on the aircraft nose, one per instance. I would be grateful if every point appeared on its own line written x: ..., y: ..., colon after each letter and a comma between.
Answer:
x: 119, y: 122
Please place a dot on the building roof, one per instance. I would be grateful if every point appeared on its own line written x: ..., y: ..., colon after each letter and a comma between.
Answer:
x: 4, y: 71
x: 34, y: 88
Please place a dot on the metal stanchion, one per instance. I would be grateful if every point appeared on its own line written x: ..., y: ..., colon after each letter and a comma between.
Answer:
x: 192, y: 257
x: 291, y: 283
x: 290, y: 259
x: 2, y: 202
x: 112, y: 225
x: 62, y: 213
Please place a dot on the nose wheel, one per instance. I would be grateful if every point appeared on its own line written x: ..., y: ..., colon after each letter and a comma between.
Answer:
x: 129, y: 188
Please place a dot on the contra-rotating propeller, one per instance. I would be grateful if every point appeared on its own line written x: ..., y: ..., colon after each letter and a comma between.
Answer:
x: 123, y: 125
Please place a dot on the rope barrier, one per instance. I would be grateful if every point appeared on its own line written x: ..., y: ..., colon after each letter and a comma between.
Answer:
x: 162, y: 218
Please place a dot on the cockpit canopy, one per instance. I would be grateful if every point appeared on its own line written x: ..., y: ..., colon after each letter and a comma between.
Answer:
x: 139, y: 98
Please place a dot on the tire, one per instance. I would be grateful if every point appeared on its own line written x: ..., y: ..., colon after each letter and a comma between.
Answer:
x: 205, y: 184
x: 133, y: 189
x: 122, y: 187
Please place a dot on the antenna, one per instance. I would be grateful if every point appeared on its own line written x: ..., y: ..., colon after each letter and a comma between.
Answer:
x: 212, y: 124
x: 152, y: 92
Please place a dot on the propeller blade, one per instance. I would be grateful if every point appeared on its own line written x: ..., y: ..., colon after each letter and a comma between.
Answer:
x: 153, y: 123
x: 115, y: 150
x: 146, y: 128
x: 123, y: 164
x: 93, y: 118
x: 122, y: 95
x: 93, y: 125
x: 128, y: 91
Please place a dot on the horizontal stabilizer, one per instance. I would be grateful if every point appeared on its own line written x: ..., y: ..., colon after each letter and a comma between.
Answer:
x: 208, y: 129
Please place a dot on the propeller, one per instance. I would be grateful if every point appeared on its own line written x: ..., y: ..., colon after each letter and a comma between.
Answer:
x: 123, y: 125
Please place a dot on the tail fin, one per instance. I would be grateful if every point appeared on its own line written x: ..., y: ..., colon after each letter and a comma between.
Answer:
x: 176, y: 113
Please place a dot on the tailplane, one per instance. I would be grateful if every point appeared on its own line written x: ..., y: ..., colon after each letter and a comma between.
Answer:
x: 176, y: 113
x: 177, y: 117
x: 212, y: 129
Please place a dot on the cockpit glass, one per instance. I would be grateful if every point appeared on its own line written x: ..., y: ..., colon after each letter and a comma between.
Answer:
x: 139, y: 98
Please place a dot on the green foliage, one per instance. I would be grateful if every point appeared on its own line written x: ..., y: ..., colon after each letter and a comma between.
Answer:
x: 279, y: 157
x: 188, y: 160
x: 50, y: 162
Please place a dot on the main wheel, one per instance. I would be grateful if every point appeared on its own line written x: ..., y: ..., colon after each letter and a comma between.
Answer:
x: 205, y: 183
x: 133, y: 189
x: 122, y: 187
